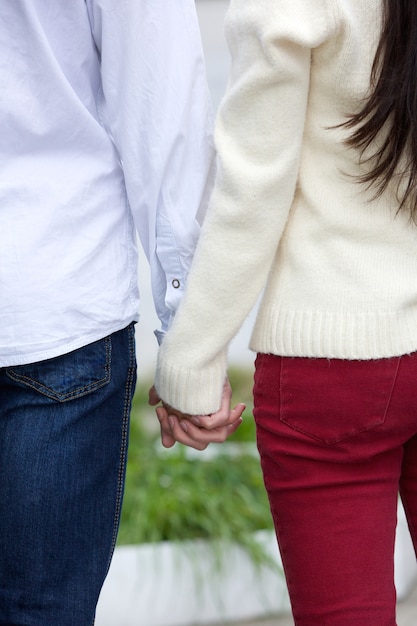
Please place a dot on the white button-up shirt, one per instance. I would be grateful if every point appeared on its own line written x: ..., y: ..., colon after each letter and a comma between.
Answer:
x: 105, y: 126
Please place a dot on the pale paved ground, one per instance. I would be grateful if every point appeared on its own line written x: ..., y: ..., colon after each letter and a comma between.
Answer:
x: 406, y: 615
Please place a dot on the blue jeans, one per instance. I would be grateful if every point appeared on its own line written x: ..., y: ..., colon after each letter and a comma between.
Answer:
x: 63, y: 444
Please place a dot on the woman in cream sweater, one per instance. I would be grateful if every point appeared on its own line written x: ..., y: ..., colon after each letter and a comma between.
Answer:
x: 315, y: 205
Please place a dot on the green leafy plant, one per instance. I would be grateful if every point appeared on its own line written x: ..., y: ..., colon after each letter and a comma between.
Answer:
x: 179, y: 495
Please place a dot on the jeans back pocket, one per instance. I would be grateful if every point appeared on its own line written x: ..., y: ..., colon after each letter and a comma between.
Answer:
x: 70, y: 375
x: 332, y: 399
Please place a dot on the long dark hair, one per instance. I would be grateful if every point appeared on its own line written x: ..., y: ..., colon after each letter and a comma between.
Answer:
x: 390, y: 112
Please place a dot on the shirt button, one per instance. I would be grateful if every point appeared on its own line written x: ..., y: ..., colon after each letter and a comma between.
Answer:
x: 176, y: 283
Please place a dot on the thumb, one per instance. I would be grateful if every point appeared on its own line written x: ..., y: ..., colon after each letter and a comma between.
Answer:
x: 153, y: 397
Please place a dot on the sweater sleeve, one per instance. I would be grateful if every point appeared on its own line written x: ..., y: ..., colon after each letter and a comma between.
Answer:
x: 258, y: 137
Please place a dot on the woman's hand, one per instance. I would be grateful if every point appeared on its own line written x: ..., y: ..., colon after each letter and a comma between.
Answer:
x: 197, y: 431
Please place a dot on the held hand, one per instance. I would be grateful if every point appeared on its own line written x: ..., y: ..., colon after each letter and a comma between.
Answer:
x: 162, y: 413
x: 166, y: 437
x: 153, y: 398
x: 198, y: 431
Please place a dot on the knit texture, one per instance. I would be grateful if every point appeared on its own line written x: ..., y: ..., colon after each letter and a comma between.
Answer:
x: 338, y: 268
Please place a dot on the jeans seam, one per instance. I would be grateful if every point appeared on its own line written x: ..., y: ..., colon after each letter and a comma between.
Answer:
x: 392, y: 388
x: 123, y: 449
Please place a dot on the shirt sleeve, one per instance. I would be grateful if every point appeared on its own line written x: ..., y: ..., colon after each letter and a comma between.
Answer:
x: 156, y: 107
x: 259, y: 135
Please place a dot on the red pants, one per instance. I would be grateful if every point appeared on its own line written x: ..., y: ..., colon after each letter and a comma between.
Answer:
x: 338, y: 441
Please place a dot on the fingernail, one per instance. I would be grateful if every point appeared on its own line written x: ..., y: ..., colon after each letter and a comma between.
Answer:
x: 184, y: 425
x: 171, y: 421
x: 196, y: 420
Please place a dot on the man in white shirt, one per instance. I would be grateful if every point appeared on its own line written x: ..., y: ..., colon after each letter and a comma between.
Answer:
x: 106, y: 130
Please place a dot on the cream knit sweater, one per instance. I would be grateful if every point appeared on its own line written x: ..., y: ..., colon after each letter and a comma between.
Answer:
x: 340, y: 268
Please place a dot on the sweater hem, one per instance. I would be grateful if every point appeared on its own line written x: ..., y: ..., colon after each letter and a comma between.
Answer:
x: 325, y: 334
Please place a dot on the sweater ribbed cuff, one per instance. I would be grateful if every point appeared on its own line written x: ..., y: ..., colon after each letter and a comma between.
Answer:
x: 193, y: 391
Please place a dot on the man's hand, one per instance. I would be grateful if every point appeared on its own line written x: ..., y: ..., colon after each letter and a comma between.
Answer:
x: 197, y: 431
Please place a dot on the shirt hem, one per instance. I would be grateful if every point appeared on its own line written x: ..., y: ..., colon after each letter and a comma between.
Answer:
x: 28, y: 356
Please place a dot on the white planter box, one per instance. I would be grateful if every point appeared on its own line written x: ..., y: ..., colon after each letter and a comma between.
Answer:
x: 170, y: 584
